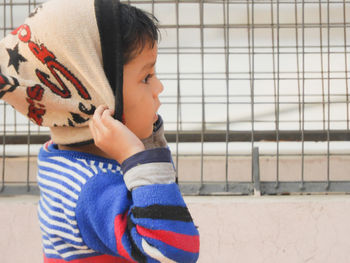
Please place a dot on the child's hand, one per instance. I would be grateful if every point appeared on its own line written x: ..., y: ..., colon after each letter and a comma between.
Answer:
x: 113, y: 137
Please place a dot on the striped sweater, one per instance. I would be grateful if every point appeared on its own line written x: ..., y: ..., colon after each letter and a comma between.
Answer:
x: 93, y: 209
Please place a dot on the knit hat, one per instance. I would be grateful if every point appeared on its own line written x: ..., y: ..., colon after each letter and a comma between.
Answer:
x: 63, y: 62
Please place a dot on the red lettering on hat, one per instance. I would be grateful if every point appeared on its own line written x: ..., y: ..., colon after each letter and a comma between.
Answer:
x: 41, y: 52
x: 48, y: 58
x: 36, y: 92
x: 2, y: 81
x: 34, y: 113
x: 24, y: 33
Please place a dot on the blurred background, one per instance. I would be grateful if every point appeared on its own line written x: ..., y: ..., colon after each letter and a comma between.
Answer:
x: 256, y: 104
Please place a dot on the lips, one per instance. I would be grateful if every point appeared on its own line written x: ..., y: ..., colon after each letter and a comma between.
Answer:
x: 155, y: 118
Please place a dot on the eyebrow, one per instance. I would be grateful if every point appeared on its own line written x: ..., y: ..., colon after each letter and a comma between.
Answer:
x: 148, y: 65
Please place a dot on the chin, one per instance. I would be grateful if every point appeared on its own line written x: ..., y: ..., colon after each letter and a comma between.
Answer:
x: 145, y: 134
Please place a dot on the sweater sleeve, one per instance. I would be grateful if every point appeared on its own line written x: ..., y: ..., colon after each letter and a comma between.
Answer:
x: 149, y: 223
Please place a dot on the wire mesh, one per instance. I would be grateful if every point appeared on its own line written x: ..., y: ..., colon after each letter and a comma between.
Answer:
x: 269, y: 75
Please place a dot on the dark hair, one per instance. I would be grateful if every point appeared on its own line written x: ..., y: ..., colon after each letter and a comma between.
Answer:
x: 138, y: 28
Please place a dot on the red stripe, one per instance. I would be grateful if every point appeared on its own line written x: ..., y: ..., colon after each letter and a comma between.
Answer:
x: 120, y: 224
x: 47, y: 144
x: 181, y: 241
x: 96, y: 259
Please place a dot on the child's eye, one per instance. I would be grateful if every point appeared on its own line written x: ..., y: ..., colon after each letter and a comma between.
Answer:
x: 147, y: 78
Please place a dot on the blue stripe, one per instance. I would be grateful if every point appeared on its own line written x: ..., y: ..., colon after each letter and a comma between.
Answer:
x: 160, y: 194
x: 57, y: 209
x: 60, y: 182
x: 156, y: 155
x: 57, y: 243
x: 72, y: 168
x: 59, y: 192
x: 71, y: 242
x: 61, y: 229
x: 66, y: 175
x: 48, y: 246
x: 67, y: 249
x: 57, y: 200
x: 57, y: 219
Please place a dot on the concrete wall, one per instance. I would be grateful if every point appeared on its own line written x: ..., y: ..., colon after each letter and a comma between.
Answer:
x: 233, y: 229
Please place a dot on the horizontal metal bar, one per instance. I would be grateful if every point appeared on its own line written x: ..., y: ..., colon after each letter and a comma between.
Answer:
x: 231, y: 2
x: 24, y: 139
x: 234, y: 188
x: 21, y: 189
x: 245, y: 136
x: 270, y: 188
x: 214, y: 136
x: 267, y: 188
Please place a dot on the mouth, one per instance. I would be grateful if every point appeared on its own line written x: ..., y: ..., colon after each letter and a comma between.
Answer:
x: 155, y: 118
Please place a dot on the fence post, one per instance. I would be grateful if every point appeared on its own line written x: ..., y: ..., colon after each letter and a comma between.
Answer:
x: 256, y: 171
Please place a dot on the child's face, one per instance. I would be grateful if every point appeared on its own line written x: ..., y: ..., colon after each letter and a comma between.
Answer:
x: 141, y: 88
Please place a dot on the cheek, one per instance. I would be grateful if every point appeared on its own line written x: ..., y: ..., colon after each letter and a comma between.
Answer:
x: 139, y: 107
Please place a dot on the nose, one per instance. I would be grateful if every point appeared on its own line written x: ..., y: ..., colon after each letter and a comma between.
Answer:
x: 158, y: 87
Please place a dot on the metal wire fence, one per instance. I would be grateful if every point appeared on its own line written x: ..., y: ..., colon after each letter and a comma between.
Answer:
x: 256, y: 96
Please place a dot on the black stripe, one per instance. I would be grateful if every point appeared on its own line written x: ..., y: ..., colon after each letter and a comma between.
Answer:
x: 135, y: 251
x: 177, y: 213
x: 108, y: 22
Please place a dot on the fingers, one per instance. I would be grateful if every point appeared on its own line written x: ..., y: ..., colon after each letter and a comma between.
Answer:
x: 106, y: 116
x: 112, y: 137
x: 95, y: 124
x: 102, y: 122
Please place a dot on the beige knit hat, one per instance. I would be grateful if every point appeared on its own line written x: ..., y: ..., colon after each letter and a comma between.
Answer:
x: 53, y: 67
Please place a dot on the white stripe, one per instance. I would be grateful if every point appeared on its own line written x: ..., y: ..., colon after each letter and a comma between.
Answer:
x: 50, y: 251
x: 61, y: 234
x: 77, y: 252
x: 83, y: 161
x: 61, y: 168
x: 57, y: 214
x: 58, y: 205
x: 51, y: 241
x: 47, y: 242
x: 73, y: 164
x: 65, y: 246
x: 81, y: 250
x: 54, y: 194
x: 101, y: 167
x: 93, y: 167
x: 61, y: 178
x: 58, y: 187
x: 155, y: 253
x: 55, y: 223
x: 109, y: 166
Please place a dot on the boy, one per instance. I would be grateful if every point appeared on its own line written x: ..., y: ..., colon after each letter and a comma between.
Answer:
x: 73, y: 66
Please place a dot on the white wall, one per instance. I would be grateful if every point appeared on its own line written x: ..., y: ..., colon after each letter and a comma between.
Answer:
x: 233, y: 229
